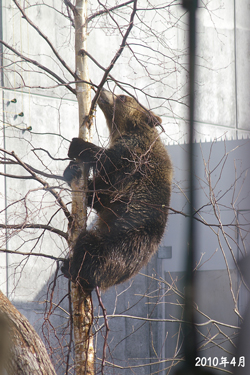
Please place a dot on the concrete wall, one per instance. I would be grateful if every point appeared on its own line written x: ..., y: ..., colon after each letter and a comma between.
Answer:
x: 156, y: 74
x: 222, y: 238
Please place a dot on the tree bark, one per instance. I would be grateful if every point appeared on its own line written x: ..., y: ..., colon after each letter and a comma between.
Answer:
x: 81, y: 301
x: 22, y: 352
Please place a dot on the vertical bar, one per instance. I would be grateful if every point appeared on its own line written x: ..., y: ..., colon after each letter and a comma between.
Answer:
x: 190, y: 341
x: 4, y: 146
x: 190, y: 345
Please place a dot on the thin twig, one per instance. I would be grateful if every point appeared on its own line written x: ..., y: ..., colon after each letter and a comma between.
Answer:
x: 24, y: 15
x: 35, y: 226
x: 113, y: 61
x: 105, y: 11
x: 45, y: 184
x: 107, y: 328
x: 40, y: 66
x: 31, y: 254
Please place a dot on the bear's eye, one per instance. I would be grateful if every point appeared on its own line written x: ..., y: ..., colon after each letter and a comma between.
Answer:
x: 122, y: 98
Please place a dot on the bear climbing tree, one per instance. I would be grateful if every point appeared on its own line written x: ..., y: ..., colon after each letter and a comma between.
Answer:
x: 130, y: 190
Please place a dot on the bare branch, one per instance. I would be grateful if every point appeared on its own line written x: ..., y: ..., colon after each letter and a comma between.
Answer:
x: 30, y: 254
x: 107, y: 328
x: 105, y: 11
x: 45, y: 185
x: 24, y: 15
x: 36, y: 63
x: 113, y: 61
x: 35, y: 226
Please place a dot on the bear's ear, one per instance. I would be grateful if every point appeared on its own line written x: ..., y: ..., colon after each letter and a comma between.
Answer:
x: 152, y: 119
x: 144, y: 117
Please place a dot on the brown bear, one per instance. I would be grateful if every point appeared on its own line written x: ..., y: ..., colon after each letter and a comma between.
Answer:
x: 130, y: 190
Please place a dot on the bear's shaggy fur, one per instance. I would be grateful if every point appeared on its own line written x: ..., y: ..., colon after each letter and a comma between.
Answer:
x: 130, y: 191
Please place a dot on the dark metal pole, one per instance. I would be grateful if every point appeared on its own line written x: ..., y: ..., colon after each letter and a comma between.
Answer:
x: 4, y: 146
x: 190, y: 344
x: 189, y: 331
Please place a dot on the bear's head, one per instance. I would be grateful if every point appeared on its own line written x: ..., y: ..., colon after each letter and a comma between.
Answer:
x: 124, y: 114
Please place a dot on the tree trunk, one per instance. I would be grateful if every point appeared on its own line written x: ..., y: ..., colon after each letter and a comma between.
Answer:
x: 22, y: 352
x: 81, y: 301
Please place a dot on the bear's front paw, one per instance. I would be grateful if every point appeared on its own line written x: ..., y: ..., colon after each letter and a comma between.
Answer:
x: 72, y: 171
x: 76, y: 147
x: 65, y: 269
